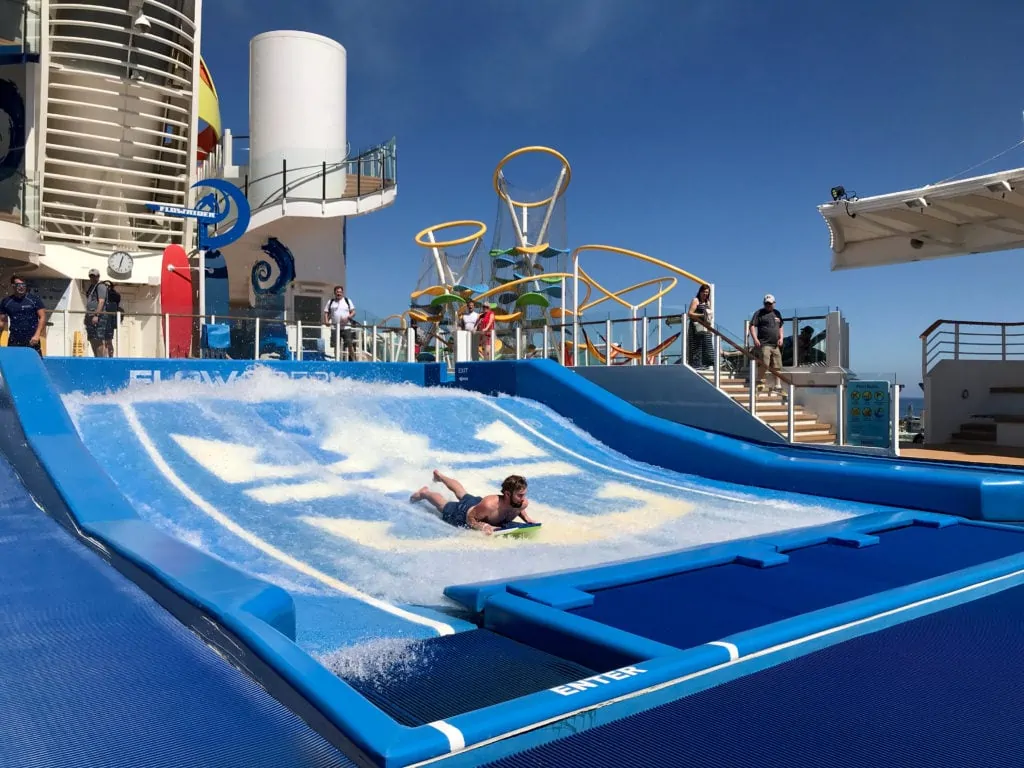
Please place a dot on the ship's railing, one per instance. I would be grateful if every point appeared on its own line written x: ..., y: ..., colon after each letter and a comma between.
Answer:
x: 372, y: 170
x: 970, y: 340
x: 144, y: 335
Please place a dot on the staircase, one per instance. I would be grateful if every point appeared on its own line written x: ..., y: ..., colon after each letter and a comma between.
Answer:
x: 773, y: 411
x: 981, y: 430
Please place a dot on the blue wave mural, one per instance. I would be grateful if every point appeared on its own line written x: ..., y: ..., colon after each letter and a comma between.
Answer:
x: 272, y: 275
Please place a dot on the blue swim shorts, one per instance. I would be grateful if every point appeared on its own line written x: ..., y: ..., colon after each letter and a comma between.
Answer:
x: 454, y: 512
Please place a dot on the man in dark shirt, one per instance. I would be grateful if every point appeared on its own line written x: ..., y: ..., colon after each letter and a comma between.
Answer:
x: 24, y: 315
x: 766, y: 332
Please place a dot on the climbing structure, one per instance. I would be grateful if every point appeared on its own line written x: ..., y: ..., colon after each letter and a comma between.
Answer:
x: 453, y: 269
x: 529, y: 248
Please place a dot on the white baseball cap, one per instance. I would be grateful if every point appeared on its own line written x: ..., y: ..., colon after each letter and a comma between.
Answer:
x: 94, y: 272
x: 769, y: 299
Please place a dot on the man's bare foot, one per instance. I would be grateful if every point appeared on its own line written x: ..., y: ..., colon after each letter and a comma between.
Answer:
x: 437, y: 476
x: 420, y: 494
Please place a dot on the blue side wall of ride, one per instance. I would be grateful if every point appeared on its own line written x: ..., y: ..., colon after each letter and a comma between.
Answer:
x: 965, y: 492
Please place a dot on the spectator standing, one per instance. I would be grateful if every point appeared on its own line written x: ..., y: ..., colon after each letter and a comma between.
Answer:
x: 340, y: 314
x: 23, y: 315
x: 98, y: 320
x: 766, y: 333
x: 700, y: 344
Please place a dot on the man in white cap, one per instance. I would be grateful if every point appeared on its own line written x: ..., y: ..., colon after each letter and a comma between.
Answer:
x: 97, y: 322
x: 766, y: 333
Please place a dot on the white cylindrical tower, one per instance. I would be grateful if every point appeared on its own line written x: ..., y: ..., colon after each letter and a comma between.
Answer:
x: 297, y: 116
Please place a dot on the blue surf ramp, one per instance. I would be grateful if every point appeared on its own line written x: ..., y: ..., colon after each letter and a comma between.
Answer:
x: 978, y: 493
x: 290, y: 482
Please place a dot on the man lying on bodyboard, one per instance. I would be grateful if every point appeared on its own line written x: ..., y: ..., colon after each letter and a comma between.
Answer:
x: 488, y: 514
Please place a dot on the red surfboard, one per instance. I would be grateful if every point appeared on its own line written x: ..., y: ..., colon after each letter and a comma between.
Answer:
x: 176, y: 300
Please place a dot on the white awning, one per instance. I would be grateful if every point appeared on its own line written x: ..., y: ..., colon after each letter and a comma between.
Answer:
x: 976, y: 215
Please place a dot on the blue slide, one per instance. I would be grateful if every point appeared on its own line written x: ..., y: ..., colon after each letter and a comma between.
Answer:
x: 276, y: 498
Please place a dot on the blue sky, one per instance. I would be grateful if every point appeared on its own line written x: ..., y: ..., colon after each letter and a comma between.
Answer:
x: 704, y: 133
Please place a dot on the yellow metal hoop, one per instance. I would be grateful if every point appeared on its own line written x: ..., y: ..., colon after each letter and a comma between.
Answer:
x: 482, y: 230
x: 641, y: 256
x: 525, y: 150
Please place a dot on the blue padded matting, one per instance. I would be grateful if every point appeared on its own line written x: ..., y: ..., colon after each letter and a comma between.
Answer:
x: 941, y: 691
x: 97, y: 674
x: 712, y: 603
x: 459, y: 673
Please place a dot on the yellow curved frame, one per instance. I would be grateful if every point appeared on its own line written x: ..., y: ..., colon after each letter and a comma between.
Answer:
x: 526, y: 150
x: 641, y: 256
x: 616, y: 296
x: 451, y: 243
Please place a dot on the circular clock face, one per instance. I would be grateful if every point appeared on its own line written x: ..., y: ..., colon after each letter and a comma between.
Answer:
x: 120, y: 263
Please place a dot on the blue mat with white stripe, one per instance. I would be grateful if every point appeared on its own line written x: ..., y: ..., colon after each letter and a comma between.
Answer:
x: 941, y: 691
x: 97, y: 674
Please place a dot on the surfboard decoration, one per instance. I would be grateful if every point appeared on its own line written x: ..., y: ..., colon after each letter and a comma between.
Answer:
x: 519, y: 530
x: 176, y: 300
x: 217, y: 296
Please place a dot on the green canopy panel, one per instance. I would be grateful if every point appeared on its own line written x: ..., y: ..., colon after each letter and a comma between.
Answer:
x: 447, y: 298
x: 533, y: 299
x: 501, y: 251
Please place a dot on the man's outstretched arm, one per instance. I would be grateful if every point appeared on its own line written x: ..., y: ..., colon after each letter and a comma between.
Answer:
x: 473, y: 520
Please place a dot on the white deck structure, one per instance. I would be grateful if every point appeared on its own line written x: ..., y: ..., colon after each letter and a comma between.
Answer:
x: 972, y: 369
x: 976, y: 215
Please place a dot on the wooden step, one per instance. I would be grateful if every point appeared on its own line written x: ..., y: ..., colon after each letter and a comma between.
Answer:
x: 976, y: 432
x: 358, y: 186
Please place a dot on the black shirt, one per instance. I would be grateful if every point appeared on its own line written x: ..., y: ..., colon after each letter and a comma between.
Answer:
x: 767, y: 323
x: 23, y: 315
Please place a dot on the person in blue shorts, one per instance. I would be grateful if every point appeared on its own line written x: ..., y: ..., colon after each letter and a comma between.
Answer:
x: 481, y: 513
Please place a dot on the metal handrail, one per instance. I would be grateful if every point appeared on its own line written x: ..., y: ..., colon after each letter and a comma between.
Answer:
x: 937, y: 345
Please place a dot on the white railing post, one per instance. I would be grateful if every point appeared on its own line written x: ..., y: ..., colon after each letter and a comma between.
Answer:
x: 633, y: 316
x: 575, y: 311
x: 895, y: 419
x: 337, y: 342
x: 718, y: 361
x: 546, y: 342
x: 298, y: 338
x: 924, y: 358
x: 494, y: 342
x: 256, y: 341
x: 753, y: 388
x: 167, y: 335
x: 790, y: 414
x: 117, y: 334
x: 684, y: 349
x: 841, y: 414
x: 410, y: 340
x: 373, y: 342
x: 644, y: 328
x: 519, y: 343
x: 608, y: 341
